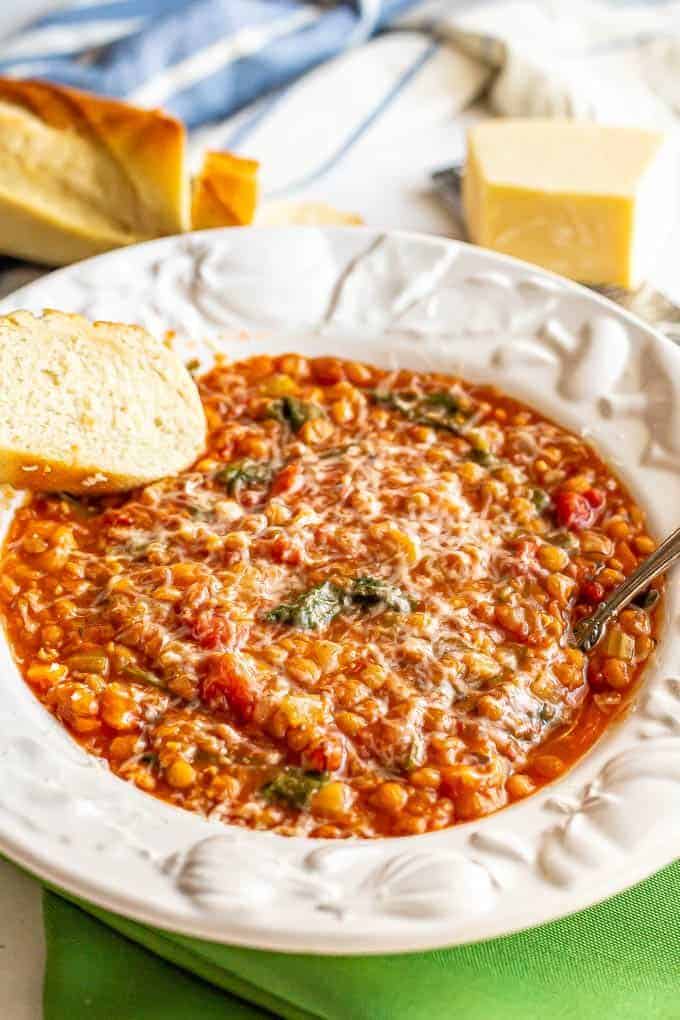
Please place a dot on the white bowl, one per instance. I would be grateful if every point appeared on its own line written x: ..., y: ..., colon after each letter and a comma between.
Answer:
x: 396, y: 299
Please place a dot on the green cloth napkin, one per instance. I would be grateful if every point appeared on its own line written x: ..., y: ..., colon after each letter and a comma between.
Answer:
x: 619, y: 960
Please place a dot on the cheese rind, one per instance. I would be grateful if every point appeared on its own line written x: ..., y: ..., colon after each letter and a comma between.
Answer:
x: 585, y: 200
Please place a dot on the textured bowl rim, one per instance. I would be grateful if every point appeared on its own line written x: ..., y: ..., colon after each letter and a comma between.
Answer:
x: 606, y: 825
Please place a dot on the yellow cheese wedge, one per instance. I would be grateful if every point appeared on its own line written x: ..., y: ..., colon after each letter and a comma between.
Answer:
x: 589, y: 201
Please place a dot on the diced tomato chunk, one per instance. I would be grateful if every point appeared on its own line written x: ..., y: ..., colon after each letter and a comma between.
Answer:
x: 285, y: 549
x: 592, y: 591
x: 595, y: 674
x: 324, y: 756
x: 575, y: 510
x: 249, y: 497
x: 328, y: 370
x: 120, y: 519
x: 259, y: 367
x: 213, y: 630
x: 229, y: 688
x: 595, y: 498
x: 205, y: 629
x: 289, y: 480
x: 209, y: 629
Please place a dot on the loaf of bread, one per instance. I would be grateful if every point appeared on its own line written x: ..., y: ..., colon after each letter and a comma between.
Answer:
x: 304, y: 213
x: 92, y: 407
x: 80, y: 174
x: 224, y: 192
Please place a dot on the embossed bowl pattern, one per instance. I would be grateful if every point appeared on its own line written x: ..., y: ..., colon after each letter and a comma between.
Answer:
x: 421, y: 302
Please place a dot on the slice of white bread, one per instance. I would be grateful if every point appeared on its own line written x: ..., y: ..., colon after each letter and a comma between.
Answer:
x: 80, y: 174
x: 92, y: 407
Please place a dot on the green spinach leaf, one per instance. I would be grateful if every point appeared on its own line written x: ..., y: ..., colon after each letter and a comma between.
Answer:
x: 311, y: 609
x: 79, y: 507
x: 483, y: 457
x: 540, y: 499
x: 293, y: 786
x: 315, y: 608
x: 647, y: 599
x: 372, y: 590
x: 294, y: 412
x: 242, y: 473
x: 440, y: 409
x: 143, y: 676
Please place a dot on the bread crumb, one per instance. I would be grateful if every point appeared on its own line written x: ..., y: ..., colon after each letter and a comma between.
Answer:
x: 94, y: 480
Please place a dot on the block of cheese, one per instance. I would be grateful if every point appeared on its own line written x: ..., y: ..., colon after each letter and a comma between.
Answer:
x: 586, y: 200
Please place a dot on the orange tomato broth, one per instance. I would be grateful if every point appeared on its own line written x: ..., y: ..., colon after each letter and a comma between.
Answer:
x: 351, y: 617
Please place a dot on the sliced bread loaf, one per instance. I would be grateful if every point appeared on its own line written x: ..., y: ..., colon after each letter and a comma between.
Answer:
x: 80, y: 174
x: 92, y: 407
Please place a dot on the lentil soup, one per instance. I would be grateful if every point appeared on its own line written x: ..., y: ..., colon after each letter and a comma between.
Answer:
x: 351, y: 617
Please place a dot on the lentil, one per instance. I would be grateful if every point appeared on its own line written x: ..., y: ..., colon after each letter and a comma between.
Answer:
x: 349, y: 617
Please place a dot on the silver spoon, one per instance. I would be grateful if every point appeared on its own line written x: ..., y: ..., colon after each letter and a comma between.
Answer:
x: 588, y: 631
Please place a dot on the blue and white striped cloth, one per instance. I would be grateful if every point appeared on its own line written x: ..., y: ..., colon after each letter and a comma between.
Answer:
x: 201, y: 59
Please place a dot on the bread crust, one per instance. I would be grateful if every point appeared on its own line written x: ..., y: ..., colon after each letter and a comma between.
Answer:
x: 225, y: 192
x: 147, y: 147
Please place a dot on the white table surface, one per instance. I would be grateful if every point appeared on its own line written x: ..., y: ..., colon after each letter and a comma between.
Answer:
x: 21, y: 946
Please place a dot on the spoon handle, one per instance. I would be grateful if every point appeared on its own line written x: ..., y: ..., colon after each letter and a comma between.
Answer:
x: 588, y: 631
